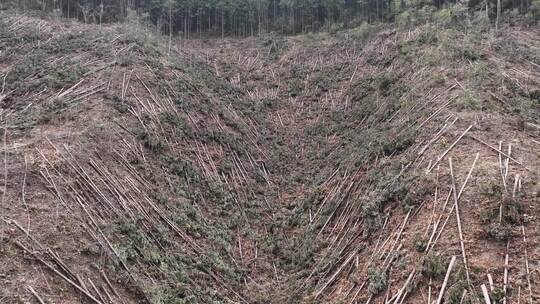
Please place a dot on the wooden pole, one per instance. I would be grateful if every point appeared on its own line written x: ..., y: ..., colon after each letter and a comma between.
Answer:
x: 448, y: 271
x: 460, y: 230
x: 486, y: 294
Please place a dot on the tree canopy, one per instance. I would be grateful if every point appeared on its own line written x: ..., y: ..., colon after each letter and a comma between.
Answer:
x: 250, y: 17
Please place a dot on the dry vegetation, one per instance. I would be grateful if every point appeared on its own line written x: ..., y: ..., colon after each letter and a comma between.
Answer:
x: 344, y: 168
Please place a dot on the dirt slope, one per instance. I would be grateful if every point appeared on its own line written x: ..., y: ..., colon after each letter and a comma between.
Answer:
x: 309, y: 169
x: 145, y: 169
x: 374, y: 119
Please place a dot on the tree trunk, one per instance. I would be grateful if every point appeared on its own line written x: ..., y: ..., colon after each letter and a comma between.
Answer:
x: 498, y: 15
x: 222, y: 24
x: 101, y: 12
x: 170, y: 26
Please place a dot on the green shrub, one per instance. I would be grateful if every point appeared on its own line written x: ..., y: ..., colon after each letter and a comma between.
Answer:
x: 64, y: 77
x: 125, y: 60
x: 501, y: 232
x: 51, y: 109
x: 385, y: 82
x: 452, y: 16
x: 399, y: 144
x: 371, y: 214
x: 31, y: 66
x: 419, y: 243
x: 168, y: 295
x: 378, y: 280
x: 69, y: 43
x: 497, y: 296
x: 117, y: 103
x: 403, y: 20
x: 497, y: 228
x: 459, y: 285
x: 534, y: 11
x: 433, y: 266
x: 151, y: 142
x: 455, y: 293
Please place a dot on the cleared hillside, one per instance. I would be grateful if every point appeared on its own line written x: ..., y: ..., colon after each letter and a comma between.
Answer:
x: 344, y: 168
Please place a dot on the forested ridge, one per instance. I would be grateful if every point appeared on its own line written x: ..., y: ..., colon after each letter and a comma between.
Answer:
x: 251, y: 17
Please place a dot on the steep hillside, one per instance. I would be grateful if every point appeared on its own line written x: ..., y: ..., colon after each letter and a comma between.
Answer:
x: 125, y: 166
x: 373, y: 121
x: 344, y: 168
